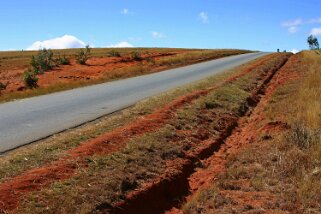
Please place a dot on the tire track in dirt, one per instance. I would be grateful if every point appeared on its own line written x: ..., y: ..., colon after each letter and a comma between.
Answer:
x: 32, y: 180
x: 155, y: 197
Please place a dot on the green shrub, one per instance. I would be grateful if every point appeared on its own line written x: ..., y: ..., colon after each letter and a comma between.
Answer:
x: 42, y: 61
x: 136, y: 56
x: 212, y: 105
x: 2, y: 86
x: 30, y: 79
x: 83, y: 55
x: 151, y: 60
x: 62, y: 60
x: 114, y: 53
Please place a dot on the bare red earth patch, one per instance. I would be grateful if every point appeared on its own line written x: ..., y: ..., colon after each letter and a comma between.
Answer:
x: 98, y: 67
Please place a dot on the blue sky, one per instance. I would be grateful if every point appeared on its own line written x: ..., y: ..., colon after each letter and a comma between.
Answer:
x: 246, y: 24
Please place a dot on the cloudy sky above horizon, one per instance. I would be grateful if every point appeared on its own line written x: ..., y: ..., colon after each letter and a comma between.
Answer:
x: 245, y: 24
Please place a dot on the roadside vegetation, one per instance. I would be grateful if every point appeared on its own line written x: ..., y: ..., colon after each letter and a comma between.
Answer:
x: 102, y: 65
x: 2, y: 86
x: 62, y: 60
x: 83, y: 55
x: 280, y: 172
x: 30, y: 79
x: 114, y: 53
x: 136, y: 55
x: 42, y: 62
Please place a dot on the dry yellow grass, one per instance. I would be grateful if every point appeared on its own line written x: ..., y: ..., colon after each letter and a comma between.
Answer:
x: 285, y: 166
x: 300, y: 148
x: 308, y: 101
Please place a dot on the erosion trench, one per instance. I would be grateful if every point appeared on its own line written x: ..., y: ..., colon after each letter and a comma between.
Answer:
x: 166, y: 191
x: 253, y: 128
x: 171, y: 189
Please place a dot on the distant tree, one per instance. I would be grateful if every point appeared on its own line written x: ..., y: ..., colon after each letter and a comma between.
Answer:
x: 3, y: 86
x: 136, y: 56
x: 62, y: 60
x: 313, y: 42
x: 42, y: 61
x: 83, y: 55
x: 114, y: 53
x: 30, y: 79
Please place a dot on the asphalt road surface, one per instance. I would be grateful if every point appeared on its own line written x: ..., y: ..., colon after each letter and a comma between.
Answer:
x: 27, y: 120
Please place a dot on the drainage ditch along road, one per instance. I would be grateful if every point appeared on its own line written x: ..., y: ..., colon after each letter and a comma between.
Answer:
x: 170, y: 189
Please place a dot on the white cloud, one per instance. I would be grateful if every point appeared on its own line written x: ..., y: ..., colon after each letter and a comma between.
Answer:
x: 292, y: 25
x: 204, y: 17
x: 157, y: 35
x: 314, y: 21
x: 64, y: 42
x: 299, y: 21
x: 293, y: 29
x: 295, y: 51
x: 124, y: 11
x: 123, y: 44
x: 316, y: 31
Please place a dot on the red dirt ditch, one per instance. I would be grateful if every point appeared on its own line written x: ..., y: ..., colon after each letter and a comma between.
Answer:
x: 246, y: 133
x: 169, y: 190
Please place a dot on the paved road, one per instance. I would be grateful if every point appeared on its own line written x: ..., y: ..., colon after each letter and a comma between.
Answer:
x: 27, y: 120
